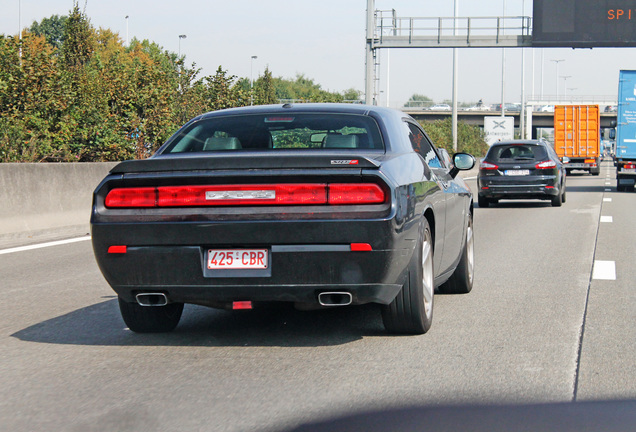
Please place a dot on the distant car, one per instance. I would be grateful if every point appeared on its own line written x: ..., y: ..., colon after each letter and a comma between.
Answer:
x: 440, y: 107
x: 478, y: 107
x: 318, y: 205
x: 521, y: 169
x: 610, y: 108
x: 546, y: 108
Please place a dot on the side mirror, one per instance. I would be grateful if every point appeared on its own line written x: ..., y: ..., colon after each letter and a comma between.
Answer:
x: 565, y: 159
x: 462, y: 162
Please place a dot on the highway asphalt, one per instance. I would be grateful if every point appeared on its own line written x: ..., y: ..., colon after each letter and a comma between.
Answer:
x: 540, y: 326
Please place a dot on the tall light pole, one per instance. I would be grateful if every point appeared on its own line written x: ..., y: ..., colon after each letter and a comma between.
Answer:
x: 20, y: 28
x: 127, y: 40
x: 565, y: 80
x: 181, y: 36
x: 251, y: 78
x: 503, y: 65
x: 557, y: 76
x: 455, y: 72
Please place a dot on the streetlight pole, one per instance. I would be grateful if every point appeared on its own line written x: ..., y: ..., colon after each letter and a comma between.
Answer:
x: 251, y: 78
x: 557, y: 76
x: 455, y: 72
x: 181, y: 36
x: 503, y: 65
x: 565, y: 80
x: 127, y: 40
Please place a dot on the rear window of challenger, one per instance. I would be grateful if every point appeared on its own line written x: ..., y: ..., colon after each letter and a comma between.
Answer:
x: 277, y: 131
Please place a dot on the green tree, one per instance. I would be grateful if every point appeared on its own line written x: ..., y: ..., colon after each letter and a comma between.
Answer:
x: 470, y: 139
x: 52, y: 28
x: 78, y: 44
x: 418, y: 100
x: 223, y: 91
x: 265, y: 93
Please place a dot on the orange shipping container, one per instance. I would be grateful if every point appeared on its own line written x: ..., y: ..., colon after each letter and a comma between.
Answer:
x: 576, y: 131
x: 577, y: 136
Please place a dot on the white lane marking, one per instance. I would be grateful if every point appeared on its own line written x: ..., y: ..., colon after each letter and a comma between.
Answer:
x: 604, y: 270
x: 607, y: 219
x: 43, y: 245
x: 607, y: 200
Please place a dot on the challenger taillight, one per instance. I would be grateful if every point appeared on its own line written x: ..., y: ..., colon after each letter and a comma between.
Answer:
x: 355, y: 193
x: 132, y: 197
x: 545, y: 165
x: 247, y: 195
x: 279, y: 194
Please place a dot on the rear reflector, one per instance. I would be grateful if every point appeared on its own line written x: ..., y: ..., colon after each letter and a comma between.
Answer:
x: 241, y: 305
x: 361, y: 247
x: 247, y: 195
x: 117, y: 249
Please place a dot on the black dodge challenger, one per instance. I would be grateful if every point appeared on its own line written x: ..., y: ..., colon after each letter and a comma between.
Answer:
x: 320, y: 205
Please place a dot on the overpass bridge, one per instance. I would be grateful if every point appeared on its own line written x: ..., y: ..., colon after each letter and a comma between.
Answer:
x: 534, y: 121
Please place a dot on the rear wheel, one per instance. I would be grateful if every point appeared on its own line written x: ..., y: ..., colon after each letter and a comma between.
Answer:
x: 461, y: 282
x: 150, y: 319
x: 557, y: 201
x: 483, y: 201
x: 411, y: 312
x: 563, y: 194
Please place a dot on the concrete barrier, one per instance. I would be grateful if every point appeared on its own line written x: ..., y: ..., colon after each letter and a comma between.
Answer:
x: 46, y: 201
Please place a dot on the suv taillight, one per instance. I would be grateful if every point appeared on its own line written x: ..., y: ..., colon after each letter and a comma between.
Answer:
x: 545, y: 164
x: 488, y: 166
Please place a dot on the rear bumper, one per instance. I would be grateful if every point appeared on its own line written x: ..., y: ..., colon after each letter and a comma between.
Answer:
x: 531, y: 188
x: 299, y: 269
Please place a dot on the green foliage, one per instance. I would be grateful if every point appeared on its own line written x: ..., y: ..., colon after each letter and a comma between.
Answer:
x: 470, y: 139
x: 76, y: 93
x: 53, y: 29
x: 78, y: 38
x: 265, y: 91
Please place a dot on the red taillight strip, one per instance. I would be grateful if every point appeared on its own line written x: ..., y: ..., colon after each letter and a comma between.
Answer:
x: 132, y: 197
x: 279, y: 194
x: 242, y: 195
x: 355, y: 193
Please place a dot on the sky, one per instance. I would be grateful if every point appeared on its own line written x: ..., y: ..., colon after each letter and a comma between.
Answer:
x: 325, y: 41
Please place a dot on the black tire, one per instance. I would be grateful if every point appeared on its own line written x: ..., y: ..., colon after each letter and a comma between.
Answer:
x: 595, y: 171
x: 557, y: 201
x: 483, y: 201
x: 563, y: 194
x: 461, y: 282
x: 150, y: 319
x: 411, y: 311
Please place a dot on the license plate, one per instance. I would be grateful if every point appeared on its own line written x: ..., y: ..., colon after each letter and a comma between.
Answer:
x: 219, y: 259
x: 517, y: 172
x: 629, y: 170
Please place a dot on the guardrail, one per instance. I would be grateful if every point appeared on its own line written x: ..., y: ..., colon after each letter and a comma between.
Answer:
x: 46, y: 201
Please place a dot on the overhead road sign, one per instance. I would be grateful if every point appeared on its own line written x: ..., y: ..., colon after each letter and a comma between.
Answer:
x: 584, y: 23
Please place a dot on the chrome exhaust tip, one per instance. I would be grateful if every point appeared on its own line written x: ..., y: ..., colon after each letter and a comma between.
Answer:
x: 335, y: 298
x: 152, y: 299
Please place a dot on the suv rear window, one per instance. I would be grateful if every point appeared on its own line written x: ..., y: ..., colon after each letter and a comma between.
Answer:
x: 517, y: 152
x: 277, y: 131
